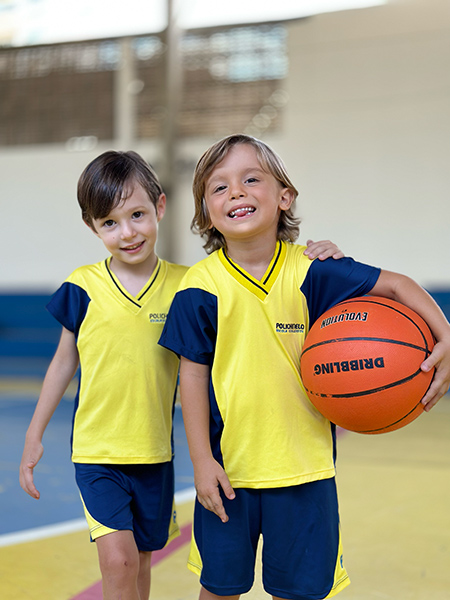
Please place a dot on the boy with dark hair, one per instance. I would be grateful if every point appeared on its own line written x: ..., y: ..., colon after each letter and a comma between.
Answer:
x: 112, y: 315
x: 263, y: 456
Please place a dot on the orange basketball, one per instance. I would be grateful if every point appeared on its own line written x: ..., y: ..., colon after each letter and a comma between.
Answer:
x: 360, y: 364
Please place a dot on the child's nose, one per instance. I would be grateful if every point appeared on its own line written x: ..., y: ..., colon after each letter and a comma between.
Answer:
x: 128, y: 231
x: 237, y: 191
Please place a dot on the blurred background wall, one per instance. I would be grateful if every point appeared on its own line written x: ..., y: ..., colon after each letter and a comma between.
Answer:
x: 357, y: 103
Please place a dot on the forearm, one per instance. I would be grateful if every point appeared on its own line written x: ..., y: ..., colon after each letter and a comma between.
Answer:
x: 194, y: 382
x: 209, y: 476
x: 59, y: 374
x: 406, y: 291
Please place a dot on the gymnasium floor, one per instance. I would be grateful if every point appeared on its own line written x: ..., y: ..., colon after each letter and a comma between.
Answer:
x: 394, y: 496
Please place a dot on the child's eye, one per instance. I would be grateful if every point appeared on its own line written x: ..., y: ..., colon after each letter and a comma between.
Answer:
x: 108, y: 223
x: 137, y: 214
x: 251, y: 179
x: 219, y: 188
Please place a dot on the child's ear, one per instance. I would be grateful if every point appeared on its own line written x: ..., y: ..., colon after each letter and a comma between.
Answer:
x: 160, y: 207
x: 286, y: 199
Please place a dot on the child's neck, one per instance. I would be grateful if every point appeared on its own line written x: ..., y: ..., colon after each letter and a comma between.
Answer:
x: 133, y: 277
x: 253, y: 257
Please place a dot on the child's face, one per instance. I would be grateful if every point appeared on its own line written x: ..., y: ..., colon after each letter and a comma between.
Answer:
x: 242, y: 199
x: 130, y: 230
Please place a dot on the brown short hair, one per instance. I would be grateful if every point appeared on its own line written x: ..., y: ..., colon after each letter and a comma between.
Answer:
x: 108, y: 180
x: 288, y: 225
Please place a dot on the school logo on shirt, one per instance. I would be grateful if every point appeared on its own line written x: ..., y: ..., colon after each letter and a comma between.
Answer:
x: 290, y: 327
x: 157, y: 317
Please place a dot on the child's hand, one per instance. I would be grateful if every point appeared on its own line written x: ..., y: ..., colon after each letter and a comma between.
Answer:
x: 322, y: 250
x: 209, y: 475
x: 31, y: 456
x: 439, y: 358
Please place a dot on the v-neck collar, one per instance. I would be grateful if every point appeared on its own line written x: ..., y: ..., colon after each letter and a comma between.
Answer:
x: 260, y: 288
x: 140, y: 298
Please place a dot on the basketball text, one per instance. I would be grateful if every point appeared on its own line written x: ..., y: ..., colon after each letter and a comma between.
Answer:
x: 344, y: 316
x: 358, y: 364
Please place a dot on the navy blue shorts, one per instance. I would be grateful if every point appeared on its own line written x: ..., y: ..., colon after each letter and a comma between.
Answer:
x: 301, y: 553
x: 134, y: 497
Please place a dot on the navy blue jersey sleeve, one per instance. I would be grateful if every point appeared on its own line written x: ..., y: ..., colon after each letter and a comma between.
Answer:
x: 331, y: 281
x: 69, y: 305
x: 191, y: 326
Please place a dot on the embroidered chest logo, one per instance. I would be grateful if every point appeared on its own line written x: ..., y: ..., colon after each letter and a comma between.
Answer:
x: 157, y: 317
x: 290, y: 327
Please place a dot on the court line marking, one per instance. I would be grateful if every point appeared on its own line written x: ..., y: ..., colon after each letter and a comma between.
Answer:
x: 39, y: 533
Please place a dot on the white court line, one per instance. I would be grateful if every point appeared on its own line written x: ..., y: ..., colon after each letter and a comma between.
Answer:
x: 39, y: 533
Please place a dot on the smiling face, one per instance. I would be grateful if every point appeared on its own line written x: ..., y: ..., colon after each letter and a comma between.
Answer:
x: 243, y: 200
x: 130, y: 230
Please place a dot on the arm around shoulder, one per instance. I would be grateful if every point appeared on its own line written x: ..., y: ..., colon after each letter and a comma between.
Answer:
x: 59, y: 374
x: 322, y: 250
x: 405, y: 290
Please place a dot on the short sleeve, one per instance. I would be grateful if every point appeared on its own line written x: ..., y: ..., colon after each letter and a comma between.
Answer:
x: 69, y: 305
x: 191, y: 326
x: 331, y: 281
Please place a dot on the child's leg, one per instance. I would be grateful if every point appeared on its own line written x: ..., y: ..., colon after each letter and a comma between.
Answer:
x: 144, y: 576
x: 205, y: 595
x: 139, y: 517
x: 125, y: 570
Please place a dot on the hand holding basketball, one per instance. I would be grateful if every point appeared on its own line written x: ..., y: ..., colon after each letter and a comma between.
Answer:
x: 439, y: 362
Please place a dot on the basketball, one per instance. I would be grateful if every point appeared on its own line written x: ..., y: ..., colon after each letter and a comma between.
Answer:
x: 360, y: 364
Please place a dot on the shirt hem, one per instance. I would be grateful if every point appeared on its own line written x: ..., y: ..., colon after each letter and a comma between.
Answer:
x: 288, y: 482
x: 120, y: 460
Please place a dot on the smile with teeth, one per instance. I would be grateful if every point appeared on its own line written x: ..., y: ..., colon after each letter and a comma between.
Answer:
x: 134, y: 247
x: 241, y: 212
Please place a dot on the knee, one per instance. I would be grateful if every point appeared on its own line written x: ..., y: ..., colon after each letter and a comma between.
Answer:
x: 120, y: 567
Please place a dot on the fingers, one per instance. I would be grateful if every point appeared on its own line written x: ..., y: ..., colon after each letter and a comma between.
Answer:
x: 208, y: 494
x: 431, y: 398
x: 322, y: 250
x: 428, y: 405
x: 438, y: 359
x: 31, y: 456
x: 27, y: 482
x: 438, y: 388
x: 213, y: 502
x: 227, y: 489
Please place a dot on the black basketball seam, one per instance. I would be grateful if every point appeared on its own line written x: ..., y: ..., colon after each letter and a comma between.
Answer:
x: 390, y: 424
x: 395, y: 422
x: 367, y: 339
x: 372, y: 301
x: 367, y: 392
